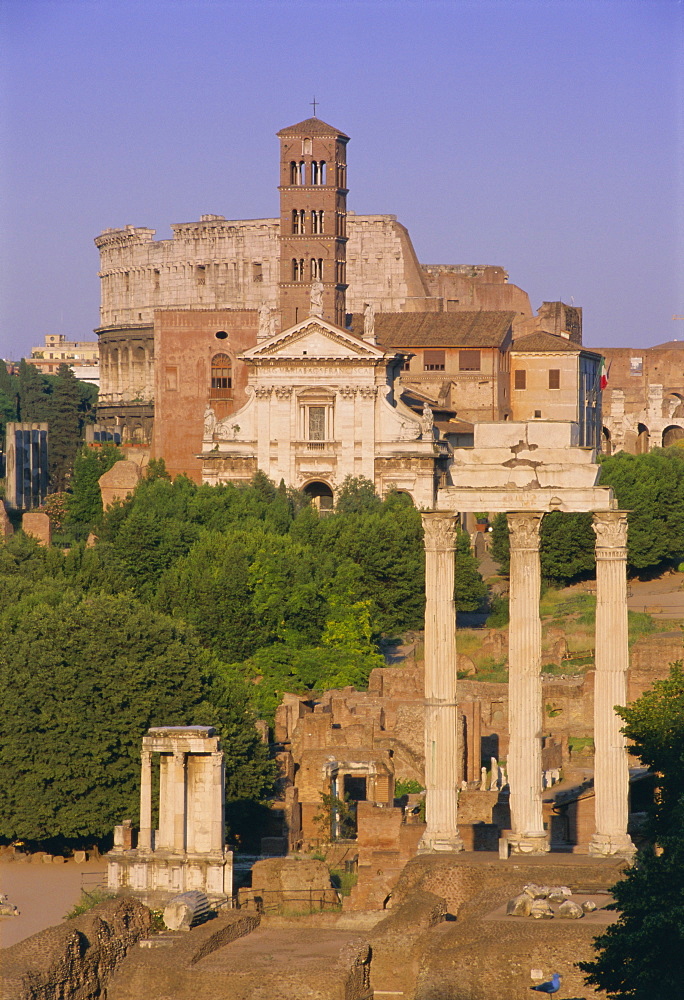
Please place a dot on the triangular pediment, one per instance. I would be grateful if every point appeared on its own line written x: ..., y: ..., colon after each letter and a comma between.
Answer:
x: 311, y: 339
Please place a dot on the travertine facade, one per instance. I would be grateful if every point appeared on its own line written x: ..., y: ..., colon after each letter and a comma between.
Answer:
x: 234, y: 264
x: 644, y: 400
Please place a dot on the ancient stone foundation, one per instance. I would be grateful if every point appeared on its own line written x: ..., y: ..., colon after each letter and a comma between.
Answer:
x: 188, y: 850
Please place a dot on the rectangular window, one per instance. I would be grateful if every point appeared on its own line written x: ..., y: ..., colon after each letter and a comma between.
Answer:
x: 316, y: 415
x: 433, y: 361
x: 406, y: 366
x: 257, y: 272
x: 520, y: 379
x: 469, y: 361
x: 554, y: 378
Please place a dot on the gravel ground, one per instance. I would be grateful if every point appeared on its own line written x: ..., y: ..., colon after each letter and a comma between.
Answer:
x: 43, y: 893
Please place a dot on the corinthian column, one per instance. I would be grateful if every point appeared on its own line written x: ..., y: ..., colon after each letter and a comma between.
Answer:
x: 524, y: 687
x: 441, y: 713
x: 611, y: 773
x: 178, y: 791
x: 145, y: 837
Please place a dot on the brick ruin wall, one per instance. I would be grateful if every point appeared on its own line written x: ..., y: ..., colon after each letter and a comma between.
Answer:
x: 643, y: 403
x: 74, y: 960
x: 383, y: 729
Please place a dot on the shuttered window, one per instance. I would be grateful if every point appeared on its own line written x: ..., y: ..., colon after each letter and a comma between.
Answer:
x: 469, y: 361
x: 554, y: 378
x: 520, y: 379
x: 433, y: 361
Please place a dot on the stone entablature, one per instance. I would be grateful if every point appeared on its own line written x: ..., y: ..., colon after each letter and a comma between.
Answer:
x: 322, y: 407
x: 525, y: 457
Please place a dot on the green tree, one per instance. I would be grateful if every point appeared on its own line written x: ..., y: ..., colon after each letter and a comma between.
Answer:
x: 641, y: 956
x: 500, y: 548
x: 33, y: 393
x: 81, y: 680
x: 85, y: 502
x: 387, y: 546
x: 470, y: 589
x: 64, y: 427
x: 567, y: 546
x: 651, y: 488
x: 8, y: 411
x: 211, y: 588
x: 357, y: 496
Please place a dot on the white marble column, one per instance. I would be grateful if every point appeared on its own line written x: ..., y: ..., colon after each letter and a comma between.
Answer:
x: 441, y: 710
x: 145, y: 836
x: 218, y: 797
x: 611, y: 772
x: 524, y: 687
x: 178, y: 792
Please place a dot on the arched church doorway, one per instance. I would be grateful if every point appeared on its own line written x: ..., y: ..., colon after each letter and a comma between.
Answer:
x: 321, y: 496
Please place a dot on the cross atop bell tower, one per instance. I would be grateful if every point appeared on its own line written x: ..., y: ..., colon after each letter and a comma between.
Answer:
x: 313, y: 220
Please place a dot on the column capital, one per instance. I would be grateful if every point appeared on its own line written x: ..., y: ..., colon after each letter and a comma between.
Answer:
x: 610, y: 528
x: 524, y: 529
x: 146, y: 757
x: 439, y: 527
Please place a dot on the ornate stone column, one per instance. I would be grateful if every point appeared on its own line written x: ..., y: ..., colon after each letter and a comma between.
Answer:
x: 524, y: 687
x: 611, y: 772
x: 441, y: 710
x: 145, y: 837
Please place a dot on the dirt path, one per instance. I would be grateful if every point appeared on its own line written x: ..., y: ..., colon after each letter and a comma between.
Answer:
x: 43, y: 893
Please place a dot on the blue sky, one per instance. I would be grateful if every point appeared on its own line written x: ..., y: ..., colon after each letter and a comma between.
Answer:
x: 540, y: 136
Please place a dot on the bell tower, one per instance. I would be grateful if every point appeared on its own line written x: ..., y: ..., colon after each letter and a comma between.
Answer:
x: 313, y: 220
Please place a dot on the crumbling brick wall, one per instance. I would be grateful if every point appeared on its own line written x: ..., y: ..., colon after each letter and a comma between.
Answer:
x: 74, y: 960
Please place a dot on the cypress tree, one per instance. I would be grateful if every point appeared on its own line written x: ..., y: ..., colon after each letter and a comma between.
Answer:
x: 65, y: 428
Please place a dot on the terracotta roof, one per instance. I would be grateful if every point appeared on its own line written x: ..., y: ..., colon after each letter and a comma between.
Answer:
x: 545, y: 342
x: 311, y: 126
x: 485, y: 328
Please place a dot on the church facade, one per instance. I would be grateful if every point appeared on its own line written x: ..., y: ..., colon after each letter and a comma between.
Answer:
x: 322, y: 406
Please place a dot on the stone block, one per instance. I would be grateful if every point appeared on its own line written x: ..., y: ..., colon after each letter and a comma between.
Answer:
x: 119, y: 482
x: 6, y: 528
x: 186, y: 910
x: 570, y: 911
x: 378, y: 826
x: 38, y: 526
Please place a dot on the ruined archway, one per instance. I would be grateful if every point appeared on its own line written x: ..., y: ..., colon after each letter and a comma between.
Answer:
x: 606, y: 442
x: 643, y: 441
x: 671, y: 435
